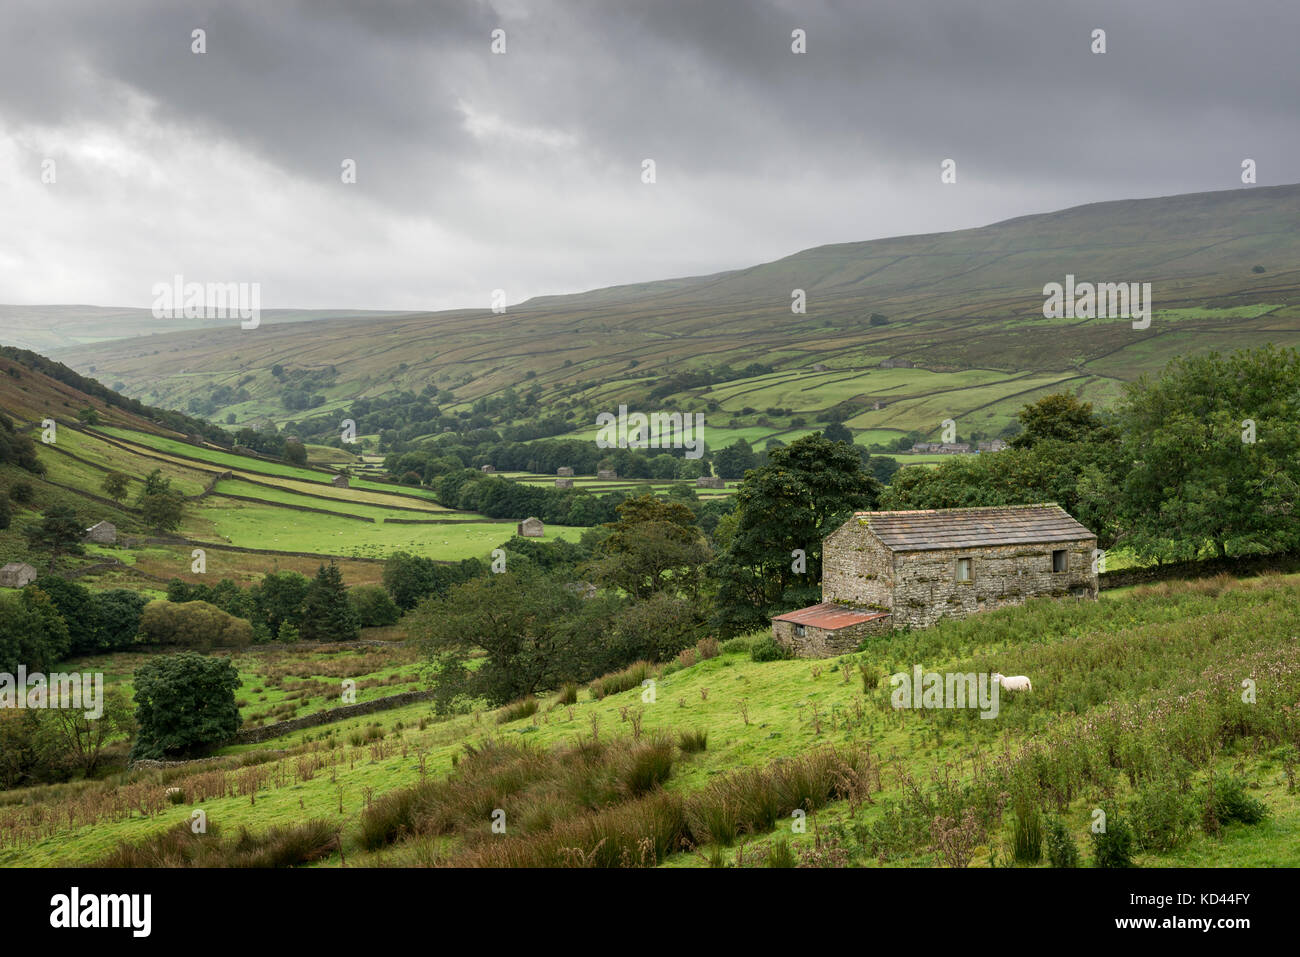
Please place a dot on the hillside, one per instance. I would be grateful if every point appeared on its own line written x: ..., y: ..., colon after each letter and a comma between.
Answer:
x: 964, y: 308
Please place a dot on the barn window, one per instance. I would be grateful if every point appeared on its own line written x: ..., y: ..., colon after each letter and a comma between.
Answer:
x: 964, y: 570
x: 799, y: 631
x: 1059, y: 561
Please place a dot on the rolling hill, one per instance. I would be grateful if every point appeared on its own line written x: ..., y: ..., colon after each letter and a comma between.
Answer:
x: 958, y: 316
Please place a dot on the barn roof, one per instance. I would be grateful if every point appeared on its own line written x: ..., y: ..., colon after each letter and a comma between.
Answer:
x: 16, y: 567
x: 830, y: 616
x: 935, y: 528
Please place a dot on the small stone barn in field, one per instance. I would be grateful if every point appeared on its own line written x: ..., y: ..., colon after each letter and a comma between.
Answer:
x: 102, y: 533
x: 564, y: 483
x: 339, y: 481
x: 564, y: 471
x: 17, y: 574
x: 883, y: 570
x: 530, y: 528
x: 710, y: 481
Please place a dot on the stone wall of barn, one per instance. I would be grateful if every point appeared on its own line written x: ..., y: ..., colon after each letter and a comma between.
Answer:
x: 857, y: 569
x: 820, y: 643
x: 926, y: 587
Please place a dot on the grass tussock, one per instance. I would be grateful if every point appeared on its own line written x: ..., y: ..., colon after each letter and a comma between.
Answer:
x: 281, y: 846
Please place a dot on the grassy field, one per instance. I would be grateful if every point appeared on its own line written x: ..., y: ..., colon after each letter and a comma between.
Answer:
x: 1154, y: 670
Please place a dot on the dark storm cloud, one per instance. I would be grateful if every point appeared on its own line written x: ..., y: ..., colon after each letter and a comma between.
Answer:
x: 526, y: 165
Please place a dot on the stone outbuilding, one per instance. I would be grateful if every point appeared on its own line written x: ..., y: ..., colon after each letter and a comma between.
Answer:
x: 487, y: 468
x: 883, y: 570
x: 339, y: 481
x: 565, y: 471
x: 101, y: 533
x: 564, y: 483
x: 607, y: 475
x: 16, y: 575
x: 530, y: 528
x: 710, y: 481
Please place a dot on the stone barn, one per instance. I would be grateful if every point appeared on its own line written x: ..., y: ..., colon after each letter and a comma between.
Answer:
x: 910, y: 569
x: 101, y: 533
x: 710, y: 481
x: 606, y: 474
x: 339, y: 481
x: 564, y: 471
x: 487, y: 468
x: 17, y: 574
x: 564, y: 483
x: 530, y: 528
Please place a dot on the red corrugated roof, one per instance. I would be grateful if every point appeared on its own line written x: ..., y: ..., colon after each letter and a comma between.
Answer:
x: 830, y: 616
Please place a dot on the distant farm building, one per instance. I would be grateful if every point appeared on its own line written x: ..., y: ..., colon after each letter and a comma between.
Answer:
x: 897, y: 364
x: 564, y: 483
x: 819, y: 367
x: 997, y: 445
x: 565, y: 471
x: 17, y: 574
x: 339, y: 481
x: 487, y: 468
x: 883, y: 570
x: 101, y: 533
x: 531, y: 528
x: 710, y: 481
x: 606, y: 474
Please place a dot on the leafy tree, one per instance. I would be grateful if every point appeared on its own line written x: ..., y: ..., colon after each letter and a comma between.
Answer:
x: 295, y: 453
x: 194, y: 624
x: 409, y: 578
x: 115, y: 485
x: 1059, y: 416
x: 658, y: 628
x: 6, y: 513
x: 59, y: 531
x: 32, y: 633
x: 535, y: 632
x: 372, y: 606
x: 84, y: 737
x: 326, y: 613
x: 22, y: 493
x: 119, y: 618
x: 654, y: 545
x: 733, y: 461
x: 1213, y: 456
x: 808, y: 489
x: 185, y: 704
x: 838, y: 432
x: 18, y: 449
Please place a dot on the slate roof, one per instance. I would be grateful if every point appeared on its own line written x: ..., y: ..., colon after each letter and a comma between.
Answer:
x: 936, y: 528
x: 830, y: 616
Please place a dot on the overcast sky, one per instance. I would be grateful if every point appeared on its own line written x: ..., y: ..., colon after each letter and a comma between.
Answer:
x: 523, y: 171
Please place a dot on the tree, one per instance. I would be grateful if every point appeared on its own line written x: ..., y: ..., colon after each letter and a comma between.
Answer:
x: 535, y: 634
x: 84, y: 737
x: 59, y: 530
x: 838, y: 432
x: 194, y: 624
x: 1059, y: 416
x: 115, y: 485
x: 326, y: 612
x: 295, y: 453
x: 185, y: 704
x: 807, y: 490
x: 160, y: 507
x: 372, y: 606
x: 654, y: 546
x: 278, y: 599
x: 32, y: 633
x: 6, y: 513
x: 1213, y: 456
x: 733, y: 461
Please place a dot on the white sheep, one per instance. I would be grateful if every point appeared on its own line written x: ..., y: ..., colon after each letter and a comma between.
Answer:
x: 1018, y: 683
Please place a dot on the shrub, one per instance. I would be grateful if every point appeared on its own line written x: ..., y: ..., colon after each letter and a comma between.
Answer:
x: 707, y: 648
x: 193, y: 624
x: 768, y: 649
x: 736, y: 646
x: 1230, y: 802
x: 1163, y: 815
x: 1113, y: 847
x: 568, y: 694
x: 184, y: 703
x: 1061, y: 849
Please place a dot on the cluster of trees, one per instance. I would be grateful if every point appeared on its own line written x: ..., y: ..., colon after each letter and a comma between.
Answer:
x: 18, y: 449
x: 287, y: 606
x: 1202, y: 460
